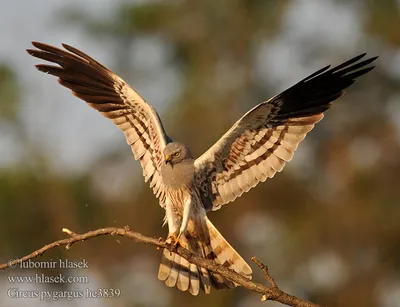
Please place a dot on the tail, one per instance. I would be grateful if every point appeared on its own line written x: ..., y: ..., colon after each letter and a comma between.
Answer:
x: 204, y: 240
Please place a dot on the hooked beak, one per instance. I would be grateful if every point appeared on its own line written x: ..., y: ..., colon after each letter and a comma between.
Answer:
x: 168, y: 159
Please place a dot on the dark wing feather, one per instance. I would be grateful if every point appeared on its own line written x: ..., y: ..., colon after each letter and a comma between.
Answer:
x: 260, y: 143
x: 107, y: 93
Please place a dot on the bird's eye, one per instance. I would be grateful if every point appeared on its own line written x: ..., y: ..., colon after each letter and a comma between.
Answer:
x: 177, y: 154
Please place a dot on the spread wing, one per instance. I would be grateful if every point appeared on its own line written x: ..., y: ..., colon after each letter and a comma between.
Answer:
x: 260, y: 143
x: 113, y: 98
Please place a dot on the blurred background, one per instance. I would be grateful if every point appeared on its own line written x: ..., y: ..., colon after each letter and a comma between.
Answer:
x: 328, y: 226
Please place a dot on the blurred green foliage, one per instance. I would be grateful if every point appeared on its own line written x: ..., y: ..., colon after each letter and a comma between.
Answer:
x: 9, y: 94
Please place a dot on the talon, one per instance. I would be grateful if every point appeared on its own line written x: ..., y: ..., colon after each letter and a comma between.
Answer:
x: 173, y: 239
x: 176, y: 241
x: 168, y: 240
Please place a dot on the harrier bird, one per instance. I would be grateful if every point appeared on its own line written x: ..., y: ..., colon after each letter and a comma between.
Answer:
x: 256, y: 147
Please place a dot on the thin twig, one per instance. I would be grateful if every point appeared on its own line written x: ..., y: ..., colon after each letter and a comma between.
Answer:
x: 264, y: 268
x: 273, y: 293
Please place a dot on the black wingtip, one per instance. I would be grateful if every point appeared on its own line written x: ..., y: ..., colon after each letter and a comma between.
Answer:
x: 354, y: 75
x: 370, y: 60
x: 320, y: 71
x: 348, y: 62
x: 355, y: 59
x: 374, y: 58
x: 42, y: 68
x: 31, y: 51
x: 353, y: 70
x: 70, y: 48
x: 37, y: 44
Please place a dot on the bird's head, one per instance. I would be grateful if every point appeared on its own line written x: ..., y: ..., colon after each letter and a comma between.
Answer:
x: 175, y: 153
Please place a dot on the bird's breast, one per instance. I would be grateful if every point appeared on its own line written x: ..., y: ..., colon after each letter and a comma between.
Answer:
x: 176, y: 198
x: 178, y: 175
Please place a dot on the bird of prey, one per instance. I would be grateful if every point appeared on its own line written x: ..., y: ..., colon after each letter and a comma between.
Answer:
x: 256, y: 147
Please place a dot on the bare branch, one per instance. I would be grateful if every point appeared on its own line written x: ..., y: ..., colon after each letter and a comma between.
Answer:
x: 264, y: 268
x: 273, y: 293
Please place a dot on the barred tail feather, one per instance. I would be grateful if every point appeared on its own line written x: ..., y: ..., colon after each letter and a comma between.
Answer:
x: 225, y: 254
x: 174, y: 270
x: 173, y: 276
x: 183, y: 277
x: 177, y: 271
x: 194, y: 285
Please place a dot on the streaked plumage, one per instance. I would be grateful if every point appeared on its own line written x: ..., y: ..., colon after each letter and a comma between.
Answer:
x: 256, y: 147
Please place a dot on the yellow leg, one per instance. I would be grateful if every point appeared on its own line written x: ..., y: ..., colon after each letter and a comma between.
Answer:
x: 173, y: 238
x: 176, y: 241
x: 175, y: 235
